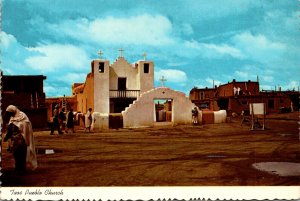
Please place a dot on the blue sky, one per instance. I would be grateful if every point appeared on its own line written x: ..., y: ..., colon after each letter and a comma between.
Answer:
x: 192, y: 42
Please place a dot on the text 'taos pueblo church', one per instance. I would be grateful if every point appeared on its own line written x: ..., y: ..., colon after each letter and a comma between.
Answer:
x: 126, y: 89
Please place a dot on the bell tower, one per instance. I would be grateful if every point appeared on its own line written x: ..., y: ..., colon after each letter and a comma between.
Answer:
x: 100, y: 70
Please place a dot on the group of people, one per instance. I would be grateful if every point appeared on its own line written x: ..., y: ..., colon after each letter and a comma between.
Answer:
x: 62, y: 121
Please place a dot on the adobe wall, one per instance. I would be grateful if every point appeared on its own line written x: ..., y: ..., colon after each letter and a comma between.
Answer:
x: 121, y: 68
x: 141, y: 112
x: 85, y: 100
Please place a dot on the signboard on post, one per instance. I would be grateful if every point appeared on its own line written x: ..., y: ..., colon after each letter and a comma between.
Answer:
x: 257, y: 109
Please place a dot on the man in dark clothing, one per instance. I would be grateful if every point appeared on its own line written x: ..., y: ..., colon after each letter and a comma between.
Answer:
x: 70, y: 121
x: 56, y: 125
x: 62, y: 119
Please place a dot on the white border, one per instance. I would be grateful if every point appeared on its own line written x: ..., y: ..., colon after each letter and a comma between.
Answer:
x: 155, y: 193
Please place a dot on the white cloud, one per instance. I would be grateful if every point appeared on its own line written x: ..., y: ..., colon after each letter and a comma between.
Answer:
x: 141, y: 29
x: 210, y: 50
x: 172, y: 75
x: 7, y: 40
x: 258, y: 47
x: 224, y: 49
x: 57, y: 57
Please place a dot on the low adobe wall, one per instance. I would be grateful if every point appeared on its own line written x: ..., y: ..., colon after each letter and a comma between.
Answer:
x: 213, y: 117
x: 141, y: 112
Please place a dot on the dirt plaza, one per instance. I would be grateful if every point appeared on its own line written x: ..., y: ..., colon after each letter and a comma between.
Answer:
x: 204, y: 155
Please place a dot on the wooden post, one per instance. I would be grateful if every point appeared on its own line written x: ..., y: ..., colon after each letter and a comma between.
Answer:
x: 252, y: 116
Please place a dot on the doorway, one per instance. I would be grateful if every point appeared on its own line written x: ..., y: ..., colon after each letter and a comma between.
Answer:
x: 163, y: 110
x: 122, y: 83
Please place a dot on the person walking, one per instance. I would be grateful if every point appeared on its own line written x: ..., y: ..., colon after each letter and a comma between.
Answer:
x: 195, y: 115
x: 20, y: 120
x: 88, y: 120
x: 70, y: 121
x: 56, y: 125
x: 62, y: 119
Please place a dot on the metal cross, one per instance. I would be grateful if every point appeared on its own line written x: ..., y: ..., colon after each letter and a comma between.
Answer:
x: 100, y: 54
x: 163, y: 79
x: 145, y: 56
x: 121, y: 52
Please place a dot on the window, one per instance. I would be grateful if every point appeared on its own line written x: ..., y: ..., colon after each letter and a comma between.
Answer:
x: 204, y: 105
x: 271, y: 104
x: 146, y: 68
x: 202, y: 95
x: 101, y: 67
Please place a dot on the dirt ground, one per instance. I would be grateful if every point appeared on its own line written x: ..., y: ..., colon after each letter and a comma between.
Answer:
x: 204, y: 155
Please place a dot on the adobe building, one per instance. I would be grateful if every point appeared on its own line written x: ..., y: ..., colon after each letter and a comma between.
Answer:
x: 109, y: 88
x: 127, y: 90
x: 123, y: 95
x: 236, y: 96
x: 25, y: 92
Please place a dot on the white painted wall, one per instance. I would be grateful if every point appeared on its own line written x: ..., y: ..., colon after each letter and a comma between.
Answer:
x: 146, y: 80
x: 141, y: 112
x: 101, y: 87
x: 100, y: 121
x: 121, y: 68
x: 220, y: 116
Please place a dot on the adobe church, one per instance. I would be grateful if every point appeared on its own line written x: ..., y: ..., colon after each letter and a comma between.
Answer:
x: 109, y: 88
x: 127, y: 90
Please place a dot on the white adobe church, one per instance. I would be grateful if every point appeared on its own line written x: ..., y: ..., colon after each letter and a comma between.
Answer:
x: 128, y: 89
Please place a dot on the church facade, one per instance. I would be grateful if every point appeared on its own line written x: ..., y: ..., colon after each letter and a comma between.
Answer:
x: 110, y: 88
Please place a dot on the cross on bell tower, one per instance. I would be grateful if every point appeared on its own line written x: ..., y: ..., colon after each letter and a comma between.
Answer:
x: 100, y: 54
x: 121, y: 52
x: 145, y: 56
x: 163, y: 79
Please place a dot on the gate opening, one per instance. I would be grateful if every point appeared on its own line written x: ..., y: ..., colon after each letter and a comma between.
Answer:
x: 163, y: 110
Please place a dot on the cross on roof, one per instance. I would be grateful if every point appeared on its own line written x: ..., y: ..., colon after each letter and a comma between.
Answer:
x: 163, y: 79
x: 100, y: 54
x: 145, y: 56
x: 121, y: 52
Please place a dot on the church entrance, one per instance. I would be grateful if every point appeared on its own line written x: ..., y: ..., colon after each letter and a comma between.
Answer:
x: 163, y: 110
